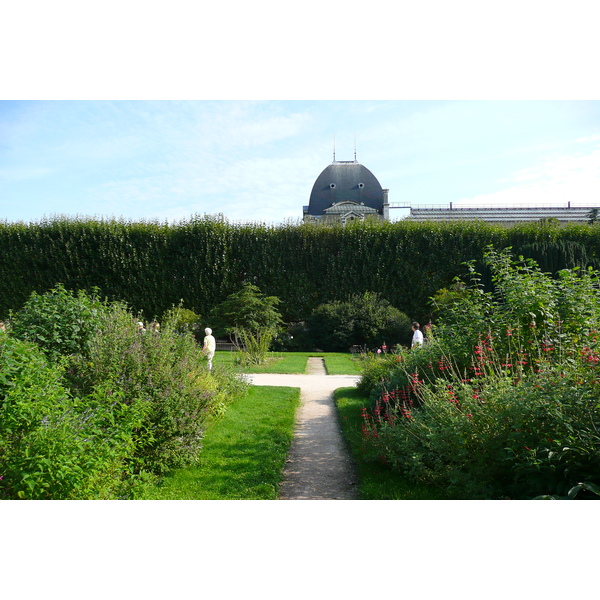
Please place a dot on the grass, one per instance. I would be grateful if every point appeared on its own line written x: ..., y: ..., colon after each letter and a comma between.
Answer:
x: 341, y: 364
x: 244, y: 451
x: 376, y: 480
x: 336, y: 363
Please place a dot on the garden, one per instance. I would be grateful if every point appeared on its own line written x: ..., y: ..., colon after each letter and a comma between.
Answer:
x: 503, y: 401
x: 97, y: 402
x: 93, y: 408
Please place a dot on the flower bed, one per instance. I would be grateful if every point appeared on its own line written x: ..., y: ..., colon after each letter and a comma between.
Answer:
x: 504, y: 400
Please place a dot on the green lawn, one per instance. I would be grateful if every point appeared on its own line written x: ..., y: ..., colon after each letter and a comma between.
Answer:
x: 376, y: 481
x: 336, y: 363
x: 244, y: 451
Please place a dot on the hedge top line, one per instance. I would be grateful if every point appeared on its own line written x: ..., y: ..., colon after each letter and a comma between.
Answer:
x: 291, y: 223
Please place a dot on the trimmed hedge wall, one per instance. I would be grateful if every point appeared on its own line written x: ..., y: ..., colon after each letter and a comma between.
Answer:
x: 153, y: 266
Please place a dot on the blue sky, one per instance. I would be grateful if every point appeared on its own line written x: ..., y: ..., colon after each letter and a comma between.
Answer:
x: 144, y: 111
x: 257, y: 160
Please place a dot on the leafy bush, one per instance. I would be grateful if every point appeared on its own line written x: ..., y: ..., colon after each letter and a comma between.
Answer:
x: 164, y: 377
x: 152, y: 265
x: 294, y: 337
x: 182, y: 320
x: 495, y: 437
x: 59, y: 321
x: 53, y: 445
x: 504, y: 399
x: 363, y: 320
x: 96, y: 406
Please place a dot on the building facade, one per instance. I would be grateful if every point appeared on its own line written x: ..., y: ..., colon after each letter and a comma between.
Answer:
x: 507, y: 215
x: 346, y: 191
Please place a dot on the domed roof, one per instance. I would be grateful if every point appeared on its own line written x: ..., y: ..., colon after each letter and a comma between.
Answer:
x: 345, y: 181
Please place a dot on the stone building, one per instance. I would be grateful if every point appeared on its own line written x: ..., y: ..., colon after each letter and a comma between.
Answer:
x: 346, y: 191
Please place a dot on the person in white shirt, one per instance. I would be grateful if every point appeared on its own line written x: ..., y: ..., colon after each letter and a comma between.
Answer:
x: 417, y: 335
x: 209, y: 346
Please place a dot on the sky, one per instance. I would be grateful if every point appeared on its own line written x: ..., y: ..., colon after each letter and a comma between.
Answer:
x: 132, y: 110
x: 256, y: 160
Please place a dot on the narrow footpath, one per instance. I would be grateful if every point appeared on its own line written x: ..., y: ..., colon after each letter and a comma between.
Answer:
x: 318, y: 465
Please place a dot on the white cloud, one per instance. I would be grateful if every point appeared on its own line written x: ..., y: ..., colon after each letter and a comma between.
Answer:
x: 559, y: 180
x: 251, y: 189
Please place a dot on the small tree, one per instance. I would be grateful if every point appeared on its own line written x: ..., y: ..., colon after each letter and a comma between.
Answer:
x: 252, y: 319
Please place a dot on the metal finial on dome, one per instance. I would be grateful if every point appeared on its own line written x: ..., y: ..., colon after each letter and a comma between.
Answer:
x: 334, y: 147
x: 354, y: 147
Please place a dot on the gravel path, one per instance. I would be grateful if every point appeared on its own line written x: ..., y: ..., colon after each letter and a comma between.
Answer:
x: 318, y: 465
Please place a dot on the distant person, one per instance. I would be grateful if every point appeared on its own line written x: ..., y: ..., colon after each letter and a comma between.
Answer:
x: 209, y: 346
x: 417, y: 335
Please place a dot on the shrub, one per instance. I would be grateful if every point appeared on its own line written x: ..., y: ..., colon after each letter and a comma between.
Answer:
x: 487, y: 439
x: 363, y: 320
x: 164, y: 377
x: 152, y: 265
x: 504, y: 399
x: 293, y: 338
x: 99, y: 405
x: 59, y: 321
x: 54, y: 445
x: 252, y: 319
x: 182, y: 320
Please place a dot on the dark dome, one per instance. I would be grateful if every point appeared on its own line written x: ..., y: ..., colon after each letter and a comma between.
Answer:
x: 345, y: 181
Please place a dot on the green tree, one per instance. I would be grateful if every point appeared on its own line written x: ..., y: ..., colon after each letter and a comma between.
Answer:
x: 251, y: 318
x: 364, y: 319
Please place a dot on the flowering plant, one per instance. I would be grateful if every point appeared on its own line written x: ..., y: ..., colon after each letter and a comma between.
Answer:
x: 506, y: 398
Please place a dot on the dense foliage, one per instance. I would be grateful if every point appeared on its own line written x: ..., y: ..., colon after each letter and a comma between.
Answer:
x: 93, y: 413
x: 52, y: 444
x: 183, y: 320
x: 154, y: 266
x: 504, y: 400
x: 59, y: 321
x: 364, y: 320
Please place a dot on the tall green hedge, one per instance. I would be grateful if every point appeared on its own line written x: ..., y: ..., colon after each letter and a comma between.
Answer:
x: 153, y: 266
